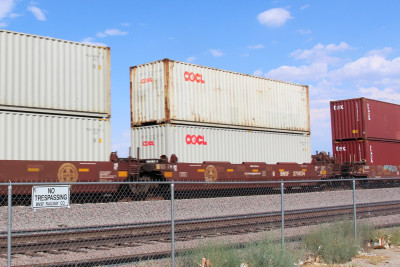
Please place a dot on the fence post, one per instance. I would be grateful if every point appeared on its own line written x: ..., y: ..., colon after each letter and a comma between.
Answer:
x: 9, y: 225
x: 172, y: 226
x: 354, y: 209
x: 282, y: 217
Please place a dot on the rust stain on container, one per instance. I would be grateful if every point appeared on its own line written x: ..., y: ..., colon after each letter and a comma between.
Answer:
x: 166, y: 89
x: 132, y: 71
x: 191, y: 94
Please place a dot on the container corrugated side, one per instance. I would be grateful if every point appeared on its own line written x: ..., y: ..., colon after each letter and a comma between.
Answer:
x: 363, y: 118
x: 43, y: 74
x: 172, y: 91
x: 371, y: 151
x: 29, y: 136
x: 195, y: 144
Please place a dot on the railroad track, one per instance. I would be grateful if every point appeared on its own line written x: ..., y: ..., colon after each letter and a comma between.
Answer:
x: 108, y: 236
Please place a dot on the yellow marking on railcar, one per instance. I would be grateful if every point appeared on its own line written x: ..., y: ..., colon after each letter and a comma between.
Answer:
x: 254, y: 170
x: 230, y: 170
x: 83, y: 170
x: 168, y: 174
x: 200, y: 170
x: 122, y: 174
x: 33, y: 169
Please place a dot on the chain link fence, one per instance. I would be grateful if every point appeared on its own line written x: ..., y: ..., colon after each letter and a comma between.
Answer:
x: 92, y: 224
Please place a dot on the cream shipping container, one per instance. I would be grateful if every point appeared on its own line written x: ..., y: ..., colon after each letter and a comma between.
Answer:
x: 169, y: 91
x: 29, y: 136
x: 47, y: 75
x: 195, y: 144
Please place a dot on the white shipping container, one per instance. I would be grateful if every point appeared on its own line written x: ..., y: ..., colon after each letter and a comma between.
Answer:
x: 195, y: 144
x: 43, y: 74
x: 29, y: 136
x: 168, y: 91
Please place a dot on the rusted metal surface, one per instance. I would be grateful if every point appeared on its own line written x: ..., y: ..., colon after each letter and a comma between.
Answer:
x: 47, y: 75
x: 60, y: 171
x: 363, y: 118
x: 168, y: 91
x: 376, y: 171
x: 245, y: 172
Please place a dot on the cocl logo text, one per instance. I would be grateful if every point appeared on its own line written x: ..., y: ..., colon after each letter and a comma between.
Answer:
x: 193, y: 77
x: 195, y: 140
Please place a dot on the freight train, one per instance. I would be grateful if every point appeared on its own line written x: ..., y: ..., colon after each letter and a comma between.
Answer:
x: 189, y: 123
x: 321, y: 170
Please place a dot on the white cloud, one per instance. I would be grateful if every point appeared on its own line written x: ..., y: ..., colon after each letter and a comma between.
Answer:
x: 255, y: 47
x: 111, y: 32
x: 319, y: 114
x: 216, y: 53
x: 3, y: 24
x: 321, y: 53
x: 37, y: 12
x: 258, y: 72
x: 274, y: 17
x: 313, y: 72
x: 15, y: 15
x: 6, y: 6
x: 305, y: 6
x: 387, y: 94
x: 380, y: 52
x: 370, y: 68
x: 319, y: 50
x: 191, y: 59
x: 90, y: 40
x: 304, y: 32
x: 126, y: 24
x: 321, y: 101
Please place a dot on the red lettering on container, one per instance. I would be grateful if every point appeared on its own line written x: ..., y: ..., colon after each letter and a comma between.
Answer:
x: 146, y: 80
x: 195, y: 139
x: 148, y: 143
x: 193, y: 77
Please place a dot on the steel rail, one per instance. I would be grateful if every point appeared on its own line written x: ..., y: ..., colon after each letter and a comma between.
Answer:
x: 44, y: 240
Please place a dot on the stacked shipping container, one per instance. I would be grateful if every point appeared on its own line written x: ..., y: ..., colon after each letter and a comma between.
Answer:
x: 54, y: 99
x: 202, y: 114
x: 366, y: 130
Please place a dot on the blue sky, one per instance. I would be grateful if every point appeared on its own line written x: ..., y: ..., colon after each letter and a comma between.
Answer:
x: 341, y: 49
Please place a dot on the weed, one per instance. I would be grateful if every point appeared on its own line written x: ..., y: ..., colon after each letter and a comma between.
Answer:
x: 335, y: 243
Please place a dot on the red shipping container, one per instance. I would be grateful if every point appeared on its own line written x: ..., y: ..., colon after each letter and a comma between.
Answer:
x: 374, y: 152
x: 363, y: 118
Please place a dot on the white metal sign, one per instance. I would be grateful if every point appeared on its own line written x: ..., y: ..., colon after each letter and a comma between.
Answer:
x: 51, y: 196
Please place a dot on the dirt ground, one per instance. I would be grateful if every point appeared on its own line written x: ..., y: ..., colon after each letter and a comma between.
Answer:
x: 389, y: 257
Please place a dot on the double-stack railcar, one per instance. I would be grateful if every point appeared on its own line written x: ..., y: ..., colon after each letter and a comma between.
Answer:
x: 189, y: 123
